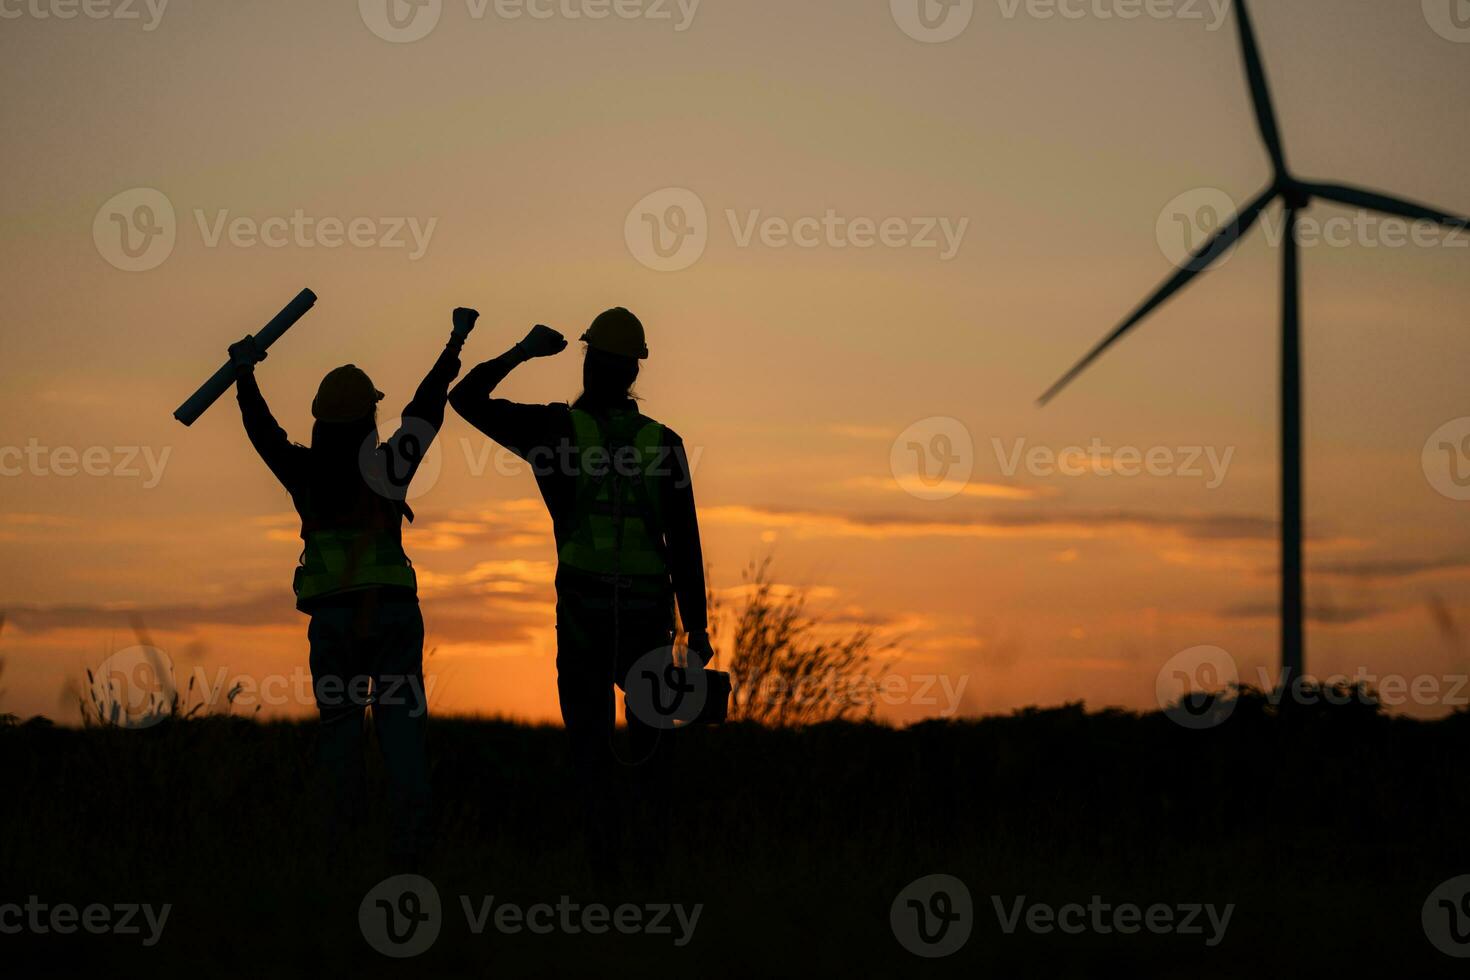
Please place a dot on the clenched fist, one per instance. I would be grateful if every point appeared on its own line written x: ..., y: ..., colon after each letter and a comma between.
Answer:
x: 464, y: 321
x: 542, y: 341
x: 245, y: 354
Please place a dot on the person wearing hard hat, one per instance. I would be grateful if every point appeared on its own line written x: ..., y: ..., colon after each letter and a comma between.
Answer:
x: 354, y: 579
x: 618, y: 486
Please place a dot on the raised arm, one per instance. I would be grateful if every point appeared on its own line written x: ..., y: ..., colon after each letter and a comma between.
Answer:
x: 433, y: 392
x: 519, y: 428
x: 423, y: 416
x: 265, y: 434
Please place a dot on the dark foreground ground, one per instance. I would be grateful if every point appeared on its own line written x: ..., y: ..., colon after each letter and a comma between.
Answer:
x: 1326, y: 832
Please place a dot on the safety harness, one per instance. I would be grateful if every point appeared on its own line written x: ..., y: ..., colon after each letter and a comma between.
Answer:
x: 337, y: 560
x: 616, y: 527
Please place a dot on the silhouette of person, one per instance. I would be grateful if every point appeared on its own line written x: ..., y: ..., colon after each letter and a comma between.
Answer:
x: 355, y: 581
x: 618, y: 487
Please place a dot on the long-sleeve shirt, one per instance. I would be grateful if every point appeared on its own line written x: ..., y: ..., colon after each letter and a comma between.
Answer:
x: 543, y: 436
x: 400, y: 456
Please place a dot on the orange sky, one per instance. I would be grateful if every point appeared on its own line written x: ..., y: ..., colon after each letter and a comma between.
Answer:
x: 1055, y: 152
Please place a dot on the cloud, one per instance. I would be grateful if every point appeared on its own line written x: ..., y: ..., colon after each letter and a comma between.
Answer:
x: 489, y: 624
x: 36, y: 520
x: 778, y: 590
x: 513, y: 524
x: 1440, y: 614
x: 481, y: 617
x: 869, y: 432
x: 989, y: 491
x: 1392, y: 568
x: 1034, y: 524
x: 1218, y: 561
x: 1322, y: 613
x: 262, y: 609
x: 516, y: 582
x: 15, y: 526
x: 505, y: 577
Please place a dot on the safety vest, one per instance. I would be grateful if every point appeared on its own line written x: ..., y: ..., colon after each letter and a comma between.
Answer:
x: 348, y: 560
x: 616, y: 525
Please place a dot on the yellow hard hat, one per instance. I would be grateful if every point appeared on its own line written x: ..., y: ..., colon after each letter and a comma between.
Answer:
x: 346, y: 395
x: 617, y: 332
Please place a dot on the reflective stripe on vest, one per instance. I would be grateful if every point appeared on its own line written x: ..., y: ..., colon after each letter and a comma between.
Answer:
x: 616, y: 533
x: 345, y: 561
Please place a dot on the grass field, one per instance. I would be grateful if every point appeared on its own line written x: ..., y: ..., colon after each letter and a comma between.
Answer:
x: 1325, y: 830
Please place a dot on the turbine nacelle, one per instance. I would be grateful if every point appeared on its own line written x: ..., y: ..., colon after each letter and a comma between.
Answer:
x: 1296, y: 195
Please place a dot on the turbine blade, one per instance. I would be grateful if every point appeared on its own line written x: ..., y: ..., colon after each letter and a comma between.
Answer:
x: 1357, y: 197
x: 1200, y: 261
x: 1260, y: 92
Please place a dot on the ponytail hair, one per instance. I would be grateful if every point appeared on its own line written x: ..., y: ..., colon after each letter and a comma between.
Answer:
x: 607, y: 381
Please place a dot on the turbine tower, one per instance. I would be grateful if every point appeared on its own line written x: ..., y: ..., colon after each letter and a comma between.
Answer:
x: 1296, y: 195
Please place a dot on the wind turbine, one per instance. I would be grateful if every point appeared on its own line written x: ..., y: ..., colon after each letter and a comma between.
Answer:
x: 1296, y: 195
